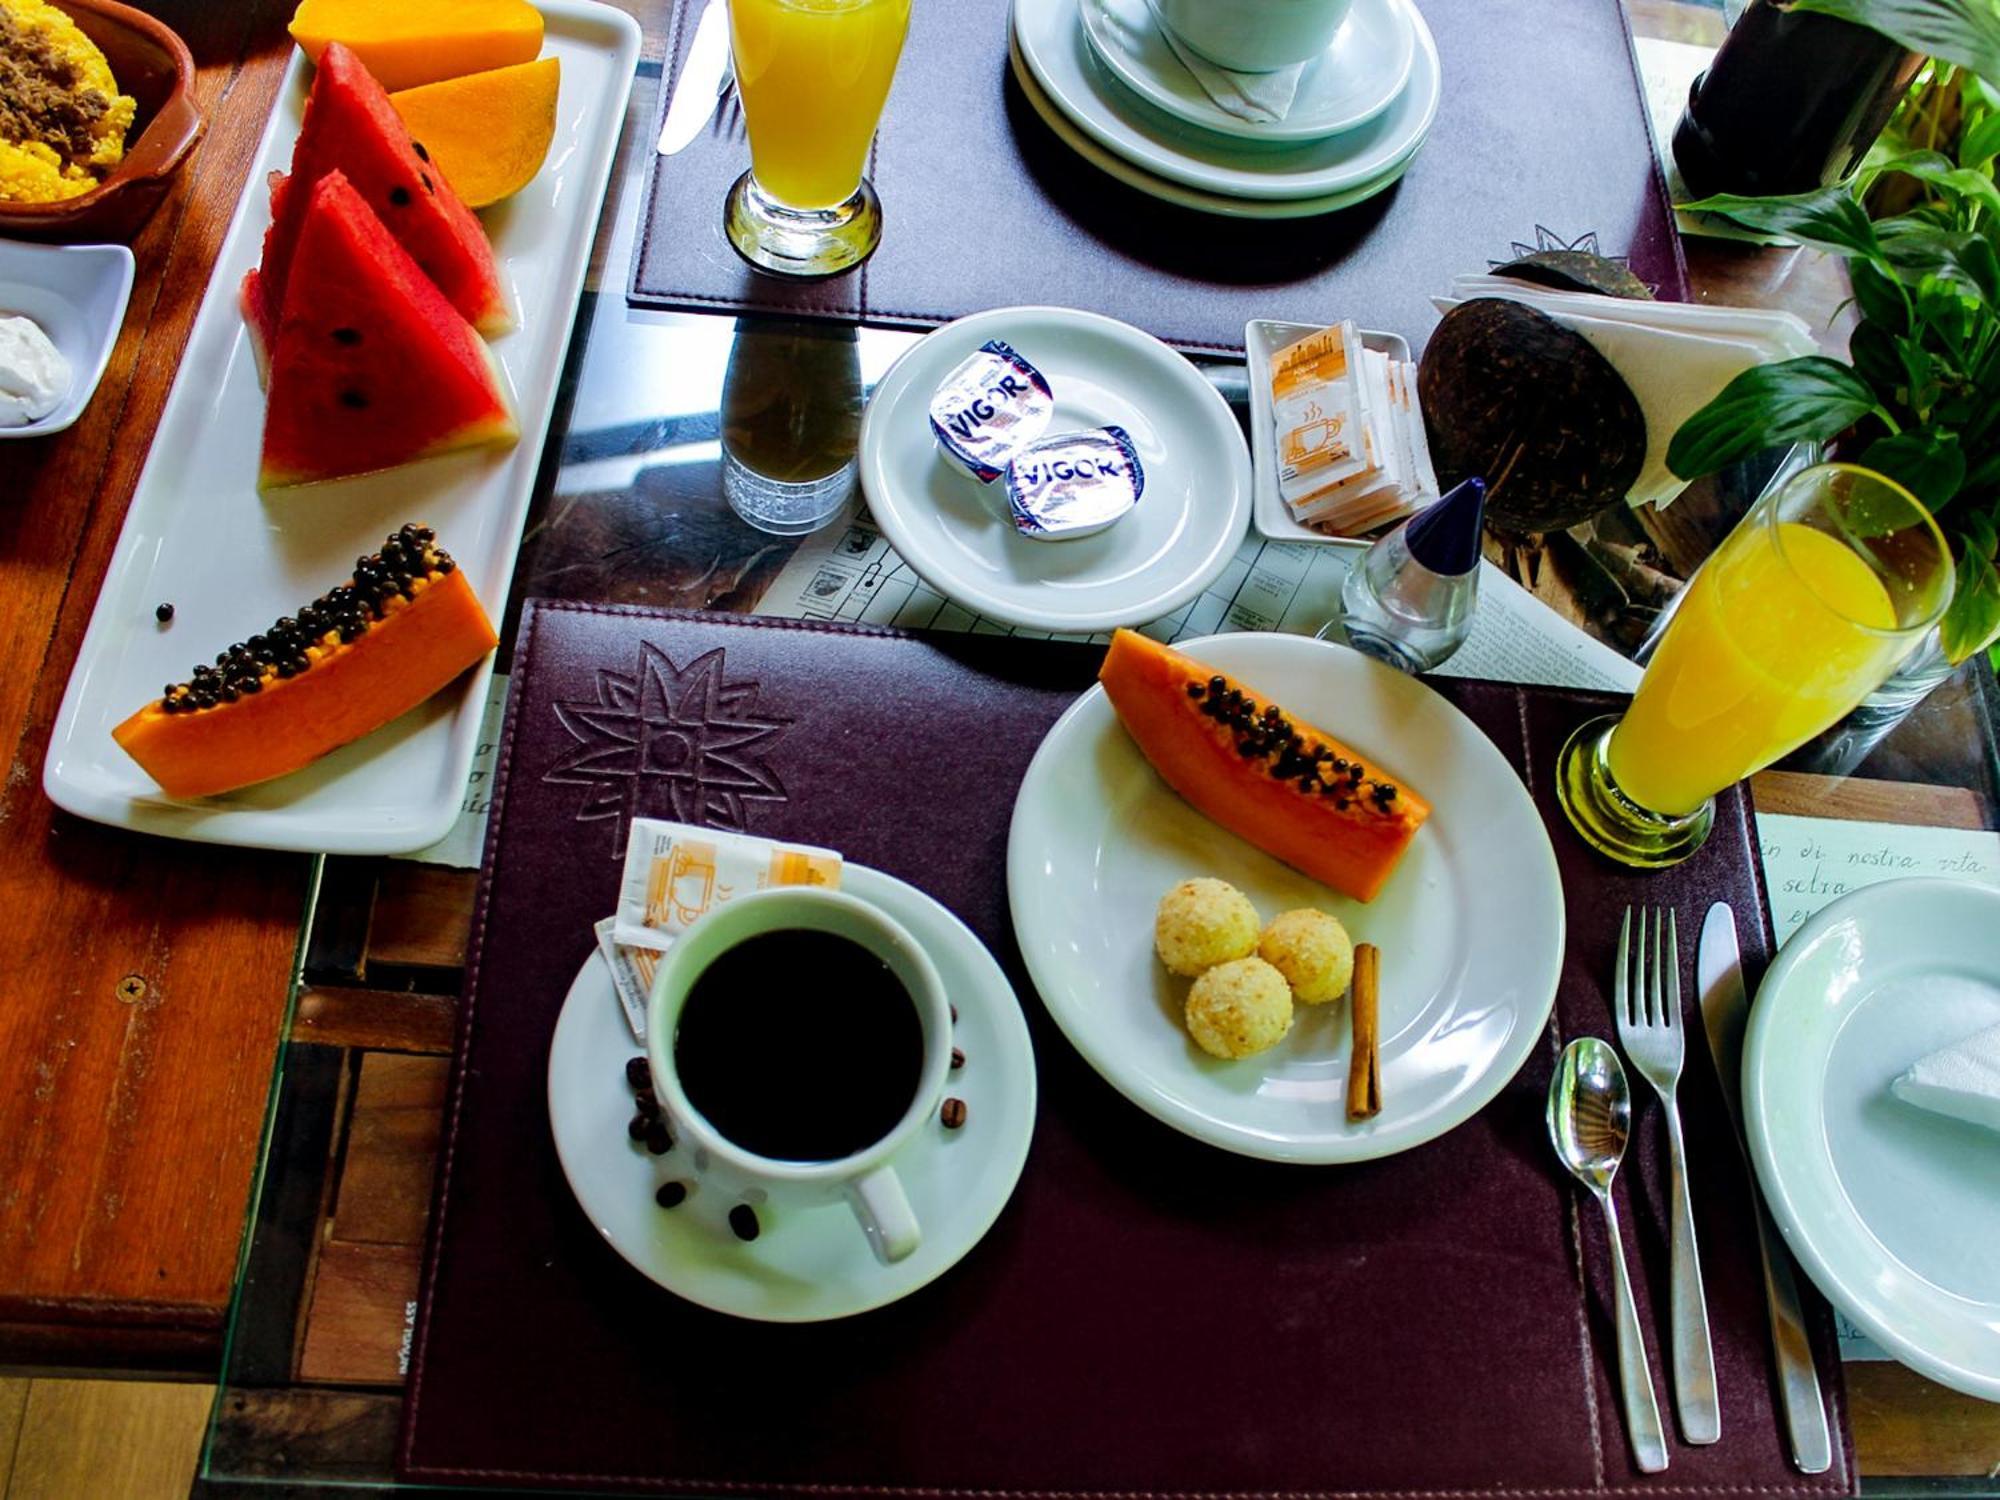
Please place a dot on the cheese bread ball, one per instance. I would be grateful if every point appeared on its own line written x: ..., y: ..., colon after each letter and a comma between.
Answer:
x: 1314, y: 953
x: 1239, y: 1008
x: 1202, y: 923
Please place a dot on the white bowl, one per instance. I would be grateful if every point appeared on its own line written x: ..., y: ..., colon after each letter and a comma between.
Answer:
x: 77, y: 293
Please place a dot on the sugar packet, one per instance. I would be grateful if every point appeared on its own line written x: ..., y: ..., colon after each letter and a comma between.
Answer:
x: 1319, y: 404
x: 676, y: 872
x: 631, y: 975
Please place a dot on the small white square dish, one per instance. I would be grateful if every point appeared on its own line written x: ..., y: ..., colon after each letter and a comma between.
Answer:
x: 1263, y: 338
x: 77, y: 294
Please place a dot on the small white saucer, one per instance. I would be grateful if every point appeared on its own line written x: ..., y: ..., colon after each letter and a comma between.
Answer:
x: 77, y: 293
x: 811, y: 1266
x: 1359, y: 75
x: 1058, y: 55
x: 1188, y: 524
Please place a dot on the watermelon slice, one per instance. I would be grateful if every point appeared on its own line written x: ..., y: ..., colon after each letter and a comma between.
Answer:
x: 370, y: 366
x: 351, y: 126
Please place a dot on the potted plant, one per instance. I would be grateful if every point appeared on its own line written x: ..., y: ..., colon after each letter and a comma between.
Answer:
x: 1919, y: 397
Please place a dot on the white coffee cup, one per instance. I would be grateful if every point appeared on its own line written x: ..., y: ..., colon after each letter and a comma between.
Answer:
x: 1254, y: 36
x: 864, y: 1180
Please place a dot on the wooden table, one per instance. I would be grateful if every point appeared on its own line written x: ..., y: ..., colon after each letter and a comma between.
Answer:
x: 150, y: 984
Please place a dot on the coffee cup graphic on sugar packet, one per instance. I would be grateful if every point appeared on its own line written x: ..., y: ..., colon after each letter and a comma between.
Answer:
x: 1254, y: 36
x: 798, y: 1039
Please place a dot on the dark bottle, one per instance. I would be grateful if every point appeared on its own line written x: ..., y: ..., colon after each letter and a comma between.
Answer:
x: 1791, y: 102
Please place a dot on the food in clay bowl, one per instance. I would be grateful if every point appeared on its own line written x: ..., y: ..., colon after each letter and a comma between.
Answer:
x: 152, y: 68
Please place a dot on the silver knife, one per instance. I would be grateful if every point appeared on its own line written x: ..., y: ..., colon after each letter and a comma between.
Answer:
x: 698, y: 89
x: 1725, y: 1011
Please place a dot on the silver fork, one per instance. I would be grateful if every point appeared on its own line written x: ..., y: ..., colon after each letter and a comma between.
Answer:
x: 1647, y: 999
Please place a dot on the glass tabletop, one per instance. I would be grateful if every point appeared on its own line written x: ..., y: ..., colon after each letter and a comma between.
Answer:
x: 666, y: 423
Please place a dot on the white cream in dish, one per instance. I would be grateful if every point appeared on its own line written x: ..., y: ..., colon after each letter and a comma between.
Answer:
x: 34, y: 376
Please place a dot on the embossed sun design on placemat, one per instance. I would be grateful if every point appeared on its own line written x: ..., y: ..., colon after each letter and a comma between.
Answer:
x: 667, y: 741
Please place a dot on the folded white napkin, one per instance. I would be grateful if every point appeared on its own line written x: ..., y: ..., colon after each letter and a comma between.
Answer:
x: 1781, y: 330
x: 1962, y: 1080
x: 1261, y: 98
x: 1674, y: 356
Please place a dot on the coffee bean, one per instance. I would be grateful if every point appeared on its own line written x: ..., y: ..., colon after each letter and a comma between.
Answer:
x: 671, y: 1194
x: 954, y: 1015
x: 638, y: 1073
x: 952, y: 1113
x: 637, y: 1126
x: 743, y: 1220
x: 648, y: 1102
x: 957, y: 1057
x: 658, y: 1141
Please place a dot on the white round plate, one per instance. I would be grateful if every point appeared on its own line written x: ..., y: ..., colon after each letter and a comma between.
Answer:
x: 1115, y: 166
x: 1359, y: 75
x: 955, y: 533
x: 811, y: 1266
x: 1893, y: 1210
x: 1056, y: 51
x: 1470, y: 926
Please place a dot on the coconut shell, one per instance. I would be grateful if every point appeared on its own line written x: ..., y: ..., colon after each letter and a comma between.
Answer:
x: 1511, y: 395
x: 1576, y: 271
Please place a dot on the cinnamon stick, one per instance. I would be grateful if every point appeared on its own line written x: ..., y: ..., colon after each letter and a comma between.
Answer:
x: 1364, y: 1067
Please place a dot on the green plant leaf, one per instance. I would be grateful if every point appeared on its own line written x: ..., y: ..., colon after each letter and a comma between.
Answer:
x: 1827, y: 216
x: 1961, y: 261
x: 1979, y: 536
x: 1935, y: 168
x: 1973, y: 621
x: 1878, y: 358
x: 1981, y: 143
x: 1880, y: 299
x: 1928, y: 463
x: 1965, y: 32
x: 1810, y: 398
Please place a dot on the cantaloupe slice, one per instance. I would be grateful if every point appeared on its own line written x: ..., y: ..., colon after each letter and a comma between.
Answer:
x: 358, y: 656
x: 410, y: 42
x: 1291, y: 789
x: 487, y: 132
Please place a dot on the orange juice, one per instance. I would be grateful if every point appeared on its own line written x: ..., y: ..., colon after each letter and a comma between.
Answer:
x: 1781, y: 633
x: 814, y: 75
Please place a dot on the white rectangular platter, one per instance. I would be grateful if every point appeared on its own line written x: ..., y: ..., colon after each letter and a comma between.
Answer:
x: 230, y: 560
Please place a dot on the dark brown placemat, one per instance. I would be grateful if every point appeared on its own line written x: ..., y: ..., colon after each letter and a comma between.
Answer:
x: 1542, y: 126
x: 1149, y: 1315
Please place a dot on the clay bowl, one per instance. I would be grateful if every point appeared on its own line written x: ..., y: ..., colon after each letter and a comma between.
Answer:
x: 154, y: 66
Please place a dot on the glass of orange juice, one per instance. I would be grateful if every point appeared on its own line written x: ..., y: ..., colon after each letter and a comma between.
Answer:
x: 1832, y: 579
x: 813, y: 76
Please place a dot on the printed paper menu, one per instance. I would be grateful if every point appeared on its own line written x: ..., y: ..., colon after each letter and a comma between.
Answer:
x: 1810, y: 861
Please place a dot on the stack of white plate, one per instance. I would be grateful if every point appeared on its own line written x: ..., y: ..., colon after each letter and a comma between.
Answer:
x: 1104, y: 77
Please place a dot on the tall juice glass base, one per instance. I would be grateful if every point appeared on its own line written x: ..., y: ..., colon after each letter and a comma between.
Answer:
x: 802, y: 242
x: 1609, y: 820
x: 1832, y: 579
x: 813, y: 76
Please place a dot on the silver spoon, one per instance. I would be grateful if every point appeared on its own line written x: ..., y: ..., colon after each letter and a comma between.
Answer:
x: 1590, y: 1114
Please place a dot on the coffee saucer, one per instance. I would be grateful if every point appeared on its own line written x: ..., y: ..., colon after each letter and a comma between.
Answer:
x: 812, y: 1265
x: 1359, y: 75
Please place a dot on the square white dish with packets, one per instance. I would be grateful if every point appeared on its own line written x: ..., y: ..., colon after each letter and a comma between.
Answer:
x: 1369, y: 463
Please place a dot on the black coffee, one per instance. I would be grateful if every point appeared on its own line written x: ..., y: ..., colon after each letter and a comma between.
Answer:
x: 800, y: 1045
